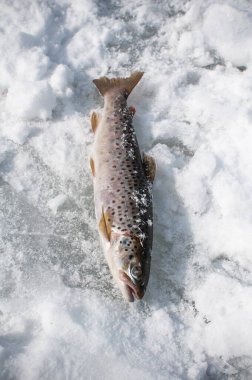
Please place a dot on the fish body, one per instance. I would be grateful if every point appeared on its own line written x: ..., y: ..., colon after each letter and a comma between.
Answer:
x: 122, y: 188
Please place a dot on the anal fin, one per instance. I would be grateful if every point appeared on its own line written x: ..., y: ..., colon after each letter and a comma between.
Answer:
x: 149, y: 165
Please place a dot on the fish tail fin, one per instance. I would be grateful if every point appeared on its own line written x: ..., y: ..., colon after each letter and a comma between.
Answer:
x: 104, y: 84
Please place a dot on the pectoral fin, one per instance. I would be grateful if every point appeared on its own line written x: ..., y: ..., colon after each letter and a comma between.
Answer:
x: 105, y: 225
x: 149, y: 167
x: 94, y: 119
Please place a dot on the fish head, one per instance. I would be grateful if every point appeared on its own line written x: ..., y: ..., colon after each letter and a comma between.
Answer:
x: 128, y: 265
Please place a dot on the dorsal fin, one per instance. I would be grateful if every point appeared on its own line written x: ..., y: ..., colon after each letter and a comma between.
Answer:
x: 104, y: 84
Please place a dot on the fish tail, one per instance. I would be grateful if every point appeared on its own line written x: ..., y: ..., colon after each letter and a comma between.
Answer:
x: 104, y: 84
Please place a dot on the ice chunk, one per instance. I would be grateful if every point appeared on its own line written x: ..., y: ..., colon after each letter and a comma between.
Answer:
x: 56, y: 203
x: 30, y: 100
x: 229, y: 30
x: 61, y: 79
x: 222, y: 300
x: 32, y: 65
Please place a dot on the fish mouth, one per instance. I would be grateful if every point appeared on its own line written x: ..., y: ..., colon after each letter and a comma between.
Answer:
x: 133, y: 291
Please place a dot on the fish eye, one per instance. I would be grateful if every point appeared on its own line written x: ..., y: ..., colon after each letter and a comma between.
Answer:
x: 131, y: 257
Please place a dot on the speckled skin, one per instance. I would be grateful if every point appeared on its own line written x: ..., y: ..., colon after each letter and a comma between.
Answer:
x: 122, y: 189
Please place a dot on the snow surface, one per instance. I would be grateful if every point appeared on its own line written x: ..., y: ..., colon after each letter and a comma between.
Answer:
x: 60, y: 315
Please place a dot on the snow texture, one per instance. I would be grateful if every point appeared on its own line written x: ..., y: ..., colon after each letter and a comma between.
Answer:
x: 60, y: 315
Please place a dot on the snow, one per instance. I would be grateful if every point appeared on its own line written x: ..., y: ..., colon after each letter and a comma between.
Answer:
x: 29, y: 100
x: 224, y: 28
x: 57, y: 202
x: 61, y: 80
x: 61, y: 316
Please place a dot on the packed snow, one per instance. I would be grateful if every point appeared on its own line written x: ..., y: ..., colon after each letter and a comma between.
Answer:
x: 61, y: 316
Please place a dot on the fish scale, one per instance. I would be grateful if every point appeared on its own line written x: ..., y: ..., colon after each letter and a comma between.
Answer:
x: 126, y: 177
x: 122, y: 190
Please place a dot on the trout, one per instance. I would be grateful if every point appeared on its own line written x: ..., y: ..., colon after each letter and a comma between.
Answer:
x: 122, y: 181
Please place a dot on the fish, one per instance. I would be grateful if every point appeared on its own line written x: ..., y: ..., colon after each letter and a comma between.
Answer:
x: 122, y: 182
